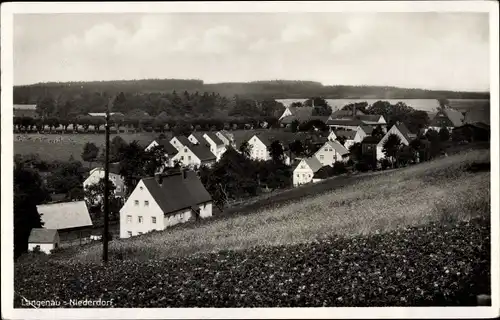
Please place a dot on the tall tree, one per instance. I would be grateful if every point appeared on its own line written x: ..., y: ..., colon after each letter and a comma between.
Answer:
x: 132, y: 164
x: 115, y: 148
x: 245, y: 149
x: 444, y: 134
x: 296, y: 147
x: 155, y: 160
x: 378, y: 132
x: 276, y: 151
x: 90, y: 153
x: 391, y: 147
x: 29, y: 191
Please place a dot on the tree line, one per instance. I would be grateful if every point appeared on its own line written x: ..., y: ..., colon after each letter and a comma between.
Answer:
x: 277, y: 89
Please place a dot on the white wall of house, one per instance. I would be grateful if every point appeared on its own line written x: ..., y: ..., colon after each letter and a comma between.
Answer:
x: 217, y: 150
x: 224, y: 139
x: 332, y: 136
x: 98, y: 174
x: 286, y: 113
x: 258, y: 149
x: 151, y: 145
x: 136, y: 215
x: 302, y: 174
x: 184, y: 215
x: 193, y: 139
x: 380, y: 145
x: 327, y: 155
x: 44, y: 247
x: 186, y: 158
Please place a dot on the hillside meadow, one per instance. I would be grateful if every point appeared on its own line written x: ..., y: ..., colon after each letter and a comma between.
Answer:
x: 418, y: 236
x: 431, y: 191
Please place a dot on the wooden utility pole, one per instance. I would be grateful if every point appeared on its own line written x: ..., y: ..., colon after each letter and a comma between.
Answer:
x: 106, y: 189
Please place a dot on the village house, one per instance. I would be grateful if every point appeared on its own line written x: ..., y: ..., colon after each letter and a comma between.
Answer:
x: 351, y: 137
x: 369, y: 146
x: 217, y: 146
x: 260, y: 142
x: 304, y: 171
x: 163, y: 201
x: 401, y: 131
x: 364, y: 130
x: 71, y: 220
x: 194, y: 156
x: 44, y: 240
x: 447, y: 118
x: 197, y: 138
x: 180, y: 142
x: 331, y: 152
x: 226, y: 137
x: 97, y: 174
x: 170, y: 150
x: 25, y: 110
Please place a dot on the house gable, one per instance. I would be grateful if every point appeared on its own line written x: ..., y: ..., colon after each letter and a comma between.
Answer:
x: 393, y: 130
x: 151, y: 145
x: 187, y: 157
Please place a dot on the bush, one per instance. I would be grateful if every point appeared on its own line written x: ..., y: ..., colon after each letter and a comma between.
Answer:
x: 339, y: 168
x: 385, y: 163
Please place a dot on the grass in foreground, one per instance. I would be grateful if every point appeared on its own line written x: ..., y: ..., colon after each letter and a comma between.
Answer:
x: 433, y: 191
x: 431, y: 265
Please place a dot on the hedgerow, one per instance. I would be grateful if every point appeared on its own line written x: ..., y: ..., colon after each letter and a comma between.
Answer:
x: 428, y: 265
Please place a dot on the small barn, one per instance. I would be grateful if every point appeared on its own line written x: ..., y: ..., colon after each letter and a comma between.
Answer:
x: 44, y: 240
x: 71, y: 220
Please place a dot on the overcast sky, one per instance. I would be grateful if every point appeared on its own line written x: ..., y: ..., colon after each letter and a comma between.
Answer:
x: 416, y: 50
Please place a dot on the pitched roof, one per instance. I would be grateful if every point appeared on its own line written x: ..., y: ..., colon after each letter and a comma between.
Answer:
x: 65, y: 215
x: 168, y: 147
x: 455, y: 116
x: 349, y: 134
x: 198, y: 136
x: 227, y: 134
x: 202, y: 152
x: 338, y: 114
x: 344, y: 122
x: 313, y: 163
x: 40, y: 235
x: 367, y: 129
x: 477, y: 115
x: 404, y: 131
x: 113, y: 168
x: 214, y: 138
x: 369, y: 117
x: 303, y: 113
x: 176, y: 193
x: 284, y: 137
x: 338, y: 147
x: 184, y: 140
x: 371, y: 140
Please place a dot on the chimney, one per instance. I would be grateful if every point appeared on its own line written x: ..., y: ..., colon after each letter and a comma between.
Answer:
x: 159, y: 178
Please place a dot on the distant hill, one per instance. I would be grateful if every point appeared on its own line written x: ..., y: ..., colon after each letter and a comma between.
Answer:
x: 277, y: 89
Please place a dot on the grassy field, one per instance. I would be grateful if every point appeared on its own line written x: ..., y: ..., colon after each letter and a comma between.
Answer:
x: 72, y: 144
x: 415, y: 195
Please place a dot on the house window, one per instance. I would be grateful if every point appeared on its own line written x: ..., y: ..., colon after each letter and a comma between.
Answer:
x: 136, y: 202
x: 153, y: 220
x: 129, y: 219
x: 129, y: 233
x: 146, y: 203
x: 139, y: 218
x: 302, y: 166
x: 189, y: 158
x: 185, y: 150
x: 140, y: 188
x: 182, y: 158
x: 321, y: 157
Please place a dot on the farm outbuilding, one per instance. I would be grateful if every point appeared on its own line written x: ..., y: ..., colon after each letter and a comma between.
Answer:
x: 44, y: 240
x: 71, y: 220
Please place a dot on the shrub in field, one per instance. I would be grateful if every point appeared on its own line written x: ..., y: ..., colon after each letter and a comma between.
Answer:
x: 339, y: 168
x: 427, y: 265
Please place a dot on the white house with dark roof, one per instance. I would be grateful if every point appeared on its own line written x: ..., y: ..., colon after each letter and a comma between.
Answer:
x: 163, y: 201
x: 304, y: 171
x: 170, y: 150
x: 44, y: 240
x: 192, y: 156
x: 226, y: 137
x: 217, y: 146
x: 180, y: 141
x: 448, y: 118
x: 351, y: 137
x: 71, y: 219
x: 331, y: 152
x: 97, y: 174
x: 401, y: 131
